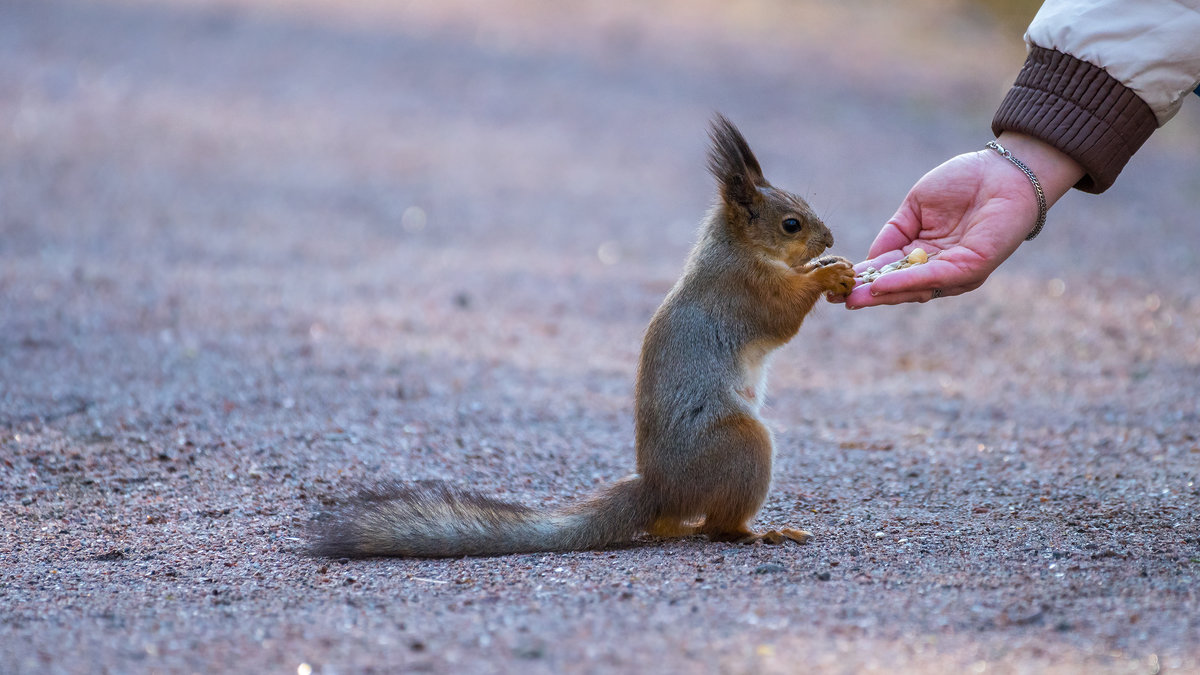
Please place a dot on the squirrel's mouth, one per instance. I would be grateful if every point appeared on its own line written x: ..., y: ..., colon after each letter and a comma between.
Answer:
x: 816, y: 248
x: 798, y: 257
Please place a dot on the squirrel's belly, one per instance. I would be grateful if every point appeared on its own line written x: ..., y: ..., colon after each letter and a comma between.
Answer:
x: 752, y: 386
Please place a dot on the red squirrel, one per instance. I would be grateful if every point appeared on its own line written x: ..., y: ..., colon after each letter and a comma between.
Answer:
x: 703, y: 453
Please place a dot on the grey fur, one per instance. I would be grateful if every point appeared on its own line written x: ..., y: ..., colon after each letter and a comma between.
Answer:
x: 437, y: 521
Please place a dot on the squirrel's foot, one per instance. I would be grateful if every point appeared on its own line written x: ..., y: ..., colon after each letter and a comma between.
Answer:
x: 772, y: 537
x: 735, y: 536
x: 784, y: 534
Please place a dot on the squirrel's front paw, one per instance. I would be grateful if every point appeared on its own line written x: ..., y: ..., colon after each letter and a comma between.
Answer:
x: 827, y: 260
x: 835, y: 274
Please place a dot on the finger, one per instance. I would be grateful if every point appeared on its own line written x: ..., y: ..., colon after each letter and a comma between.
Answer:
x: 906, y: 285
x: 889, y: 299
x: 867, y: 300
x: 897, y: 233
x: 933, y: 274
x: 860, y: 300
x: 879, y: 261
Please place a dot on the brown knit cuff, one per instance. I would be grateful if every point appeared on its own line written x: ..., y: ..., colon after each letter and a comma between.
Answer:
x: 1079, y: 109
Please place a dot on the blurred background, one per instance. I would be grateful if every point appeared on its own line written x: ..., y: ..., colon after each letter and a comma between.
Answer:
x: 487, y: 120
x: 582, y: 122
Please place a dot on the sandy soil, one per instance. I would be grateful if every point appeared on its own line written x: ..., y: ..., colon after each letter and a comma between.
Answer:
x: 254, y: 252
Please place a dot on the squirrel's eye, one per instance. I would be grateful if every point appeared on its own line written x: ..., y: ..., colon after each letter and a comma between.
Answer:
x: 791, y: 226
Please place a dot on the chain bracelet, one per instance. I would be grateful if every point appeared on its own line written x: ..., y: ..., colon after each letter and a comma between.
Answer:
x: 1037, y: 187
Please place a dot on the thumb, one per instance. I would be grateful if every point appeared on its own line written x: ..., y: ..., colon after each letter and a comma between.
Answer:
x: 900, y: 231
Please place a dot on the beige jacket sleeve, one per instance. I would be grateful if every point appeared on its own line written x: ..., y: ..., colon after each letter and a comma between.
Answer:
x: 1150, y: 46
x: 1101, y: 76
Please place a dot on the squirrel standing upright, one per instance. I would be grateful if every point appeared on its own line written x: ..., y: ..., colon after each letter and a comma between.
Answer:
x: 702, y: 449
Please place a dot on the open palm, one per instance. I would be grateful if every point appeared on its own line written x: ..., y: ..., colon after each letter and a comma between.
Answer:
x: 970, y: 214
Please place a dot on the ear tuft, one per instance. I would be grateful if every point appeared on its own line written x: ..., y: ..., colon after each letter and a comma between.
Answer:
x: 732, y: 163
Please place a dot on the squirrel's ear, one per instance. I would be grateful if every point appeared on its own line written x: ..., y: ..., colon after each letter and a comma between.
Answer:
x: 733, y: 164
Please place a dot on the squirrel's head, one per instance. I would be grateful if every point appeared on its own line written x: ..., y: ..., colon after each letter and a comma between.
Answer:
x: 778, y: 223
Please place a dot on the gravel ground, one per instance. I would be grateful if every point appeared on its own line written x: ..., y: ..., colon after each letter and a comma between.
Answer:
x: 254, y: 252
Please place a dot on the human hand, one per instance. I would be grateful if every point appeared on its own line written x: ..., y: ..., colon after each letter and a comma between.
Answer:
x: 970, y: 214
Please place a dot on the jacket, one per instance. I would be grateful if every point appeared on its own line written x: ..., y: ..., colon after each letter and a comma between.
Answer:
x: 1101, y: 76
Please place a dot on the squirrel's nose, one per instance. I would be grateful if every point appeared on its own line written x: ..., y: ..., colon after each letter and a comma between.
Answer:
x: 829, y: 240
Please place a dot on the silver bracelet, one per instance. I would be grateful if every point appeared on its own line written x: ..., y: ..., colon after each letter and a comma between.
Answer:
x: 1037, y: 187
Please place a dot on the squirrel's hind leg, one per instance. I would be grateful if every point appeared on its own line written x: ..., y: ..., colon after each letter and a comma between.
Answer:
x: 737, y: 476
x: 668, y: 526
x: 743, y: 486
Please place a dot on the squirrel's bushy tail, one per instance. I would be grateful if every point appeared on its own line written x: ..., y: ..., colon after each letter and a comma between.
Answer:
x: 438, y: 522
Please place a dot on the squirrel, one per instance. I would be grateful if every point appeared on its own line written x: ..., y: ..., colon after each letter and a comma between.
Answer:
x: 703, y: 451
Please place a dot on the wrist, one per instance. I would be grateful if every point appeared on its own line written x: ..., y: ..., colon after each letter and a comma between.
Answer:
x: 1056, y: 171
